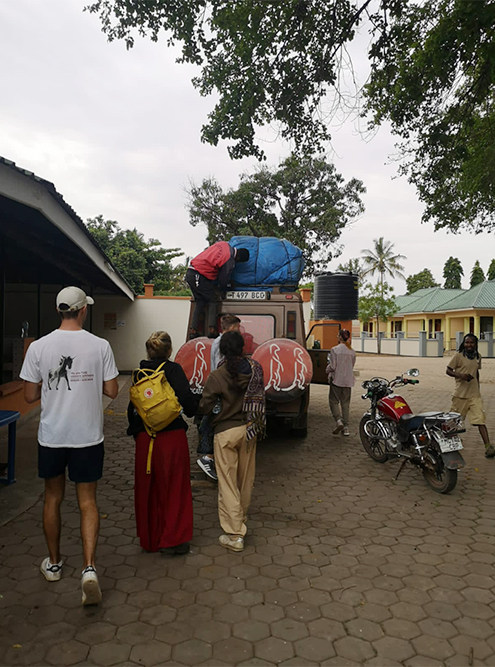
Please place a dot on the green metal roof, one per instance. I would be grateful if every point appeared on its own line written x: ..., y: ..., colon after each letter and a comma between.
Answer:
x: 479, y: 296
x: 404, y: 300
x: 429, y: 300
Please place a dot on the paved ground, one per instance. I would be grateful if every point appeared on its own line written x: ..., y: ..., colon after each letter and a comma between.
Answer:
x: 342, y: 566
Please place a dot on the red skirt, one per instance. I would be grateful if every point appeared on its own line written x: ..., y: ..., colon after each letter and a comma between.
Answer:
x: 163, y: 499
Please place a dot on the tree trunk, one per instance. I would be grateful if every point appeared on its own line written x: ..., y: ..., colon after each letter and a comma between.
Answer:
x: 378, y: 346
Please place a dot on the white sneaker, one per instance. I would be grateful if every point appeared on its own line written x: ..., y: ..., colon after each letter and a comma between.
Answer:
x: 91, y: 592
x: 51, y: 572
x: 345, y: 431
x: 232, y: 543
x: 338, y: 427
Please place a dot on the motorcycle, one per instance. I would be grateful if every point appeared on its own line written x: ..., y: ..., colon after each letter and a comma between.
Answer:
x: 430, y: 440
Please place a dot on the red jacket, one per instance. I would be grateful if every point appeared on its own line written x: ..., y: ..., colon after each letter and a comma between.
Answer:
x: 216, y: 263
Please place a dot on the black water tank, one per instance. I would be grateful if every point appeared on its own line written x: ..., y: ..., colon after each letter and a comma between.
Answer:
x: 336, y: 296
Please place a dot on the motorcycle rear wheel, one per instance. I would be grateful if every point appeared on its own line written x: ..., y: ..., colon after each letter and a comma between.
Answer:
x: 374, y: 447
x: 443, y: 482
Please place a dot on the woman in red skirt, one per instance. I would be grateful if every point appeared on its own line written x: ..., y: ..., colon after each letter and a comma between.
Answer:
x: 163, y: 498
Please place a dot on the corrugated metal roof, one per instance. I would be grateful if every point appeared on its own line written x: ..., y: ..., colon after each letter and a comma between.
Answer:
x: 431, y: 300
x: 405, y: 299
x: 479, y: 296
x: 68, y: 209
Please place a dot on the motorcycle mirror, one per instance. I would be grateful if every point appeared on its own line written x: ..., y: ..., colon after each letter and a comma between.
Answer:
x: 413, y: 372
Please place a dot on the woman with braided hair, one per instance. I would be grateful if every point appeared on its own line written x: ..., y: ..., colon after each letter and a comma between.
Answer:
x: 238, y: 389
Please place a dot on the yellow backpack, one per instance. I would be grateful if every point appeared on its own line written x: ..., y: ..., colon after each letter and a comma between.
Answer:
x: 155, y: 402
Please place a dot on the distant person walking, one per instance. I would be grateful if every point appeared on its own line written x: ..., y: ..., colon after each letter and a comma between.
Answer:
x: 237, y: 387
x: 70, y: 369
x: 340, y: 371
x: 465, y: 367
x: 210, y: 269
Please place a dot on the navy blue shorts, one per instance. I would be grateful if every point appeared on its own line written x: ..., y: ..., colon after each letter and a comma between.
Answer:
x: 85, y: 464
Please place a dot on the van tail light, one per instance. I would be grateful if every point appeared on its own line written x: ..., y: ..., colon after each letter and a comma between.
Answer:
x: 291, y: 324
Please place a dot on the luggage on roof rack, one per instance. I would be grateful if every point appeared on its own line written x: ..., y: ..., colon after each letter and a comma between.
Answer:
x: 272, y: 261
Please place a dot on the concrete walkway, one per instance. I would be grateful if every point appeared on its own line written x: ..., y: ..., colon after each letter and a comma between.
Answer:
x: 342, y: 565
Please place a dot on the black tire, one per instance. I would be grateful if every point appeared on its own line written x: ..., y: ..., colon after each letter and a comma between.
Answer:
x: 374, y: 447
x: 440, y: 483
x: 299, y: 427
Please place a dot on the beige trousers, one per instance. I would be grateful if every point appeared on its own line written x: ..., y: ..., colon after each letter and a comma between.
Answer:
x: 235, y: 463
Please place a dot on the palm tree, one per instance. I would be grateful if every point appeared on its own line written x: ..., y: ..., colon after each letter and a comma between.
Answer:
x: 383, y: 261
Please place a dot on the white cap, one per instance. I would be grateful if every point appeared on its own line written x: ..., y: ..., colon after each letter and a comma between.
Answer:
x: 71, y: 299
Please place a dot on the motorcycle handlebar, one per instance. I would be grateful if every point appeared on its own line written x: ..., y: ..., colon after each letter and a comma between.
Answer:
x: 399, y: 380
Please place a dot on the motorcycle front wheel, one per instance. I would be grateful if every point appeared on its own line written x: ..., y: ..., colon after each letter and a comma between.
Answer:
x: 440, y: 481
x: 374, y: 446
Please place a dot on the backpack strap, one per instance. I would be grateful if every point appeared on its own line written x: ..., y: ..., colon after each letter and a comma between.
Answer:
x: 150, y: 453
x: 139, y: 373
x: 151, y: 433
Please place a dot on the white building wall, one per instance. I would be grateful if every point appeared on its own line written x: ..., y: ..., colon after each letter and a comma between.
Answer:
x: 127, y: 325
x: 388, y: 346
x: 409, y: 348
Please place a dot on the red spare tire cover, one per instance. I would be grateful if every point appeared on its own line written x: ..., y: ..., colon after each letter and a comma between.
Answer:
x: 287, y: 368
x: 194, y: 357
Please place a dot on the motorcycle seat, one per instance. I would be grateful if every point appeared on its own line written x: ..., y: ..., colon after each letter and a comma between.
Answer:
x: 411, y: 422
x: 429, y: 415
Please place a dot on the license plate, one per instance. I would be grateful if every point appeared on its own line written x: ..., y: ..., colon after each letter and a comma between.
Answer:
x: 449, y: 444
x: 247, y: 296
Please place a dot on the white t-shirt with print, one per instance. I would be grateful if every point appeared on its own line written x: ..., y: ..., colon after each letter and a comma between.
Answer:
x: 72, y: 365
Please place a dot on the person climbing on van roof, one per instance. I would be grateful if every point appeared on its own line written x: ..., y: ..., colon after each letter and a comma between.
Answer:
x: 210, y: 269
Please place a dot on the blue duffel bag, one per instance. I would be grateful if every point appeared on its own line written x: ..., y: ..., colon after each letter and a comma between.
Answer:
x: 272, y: 262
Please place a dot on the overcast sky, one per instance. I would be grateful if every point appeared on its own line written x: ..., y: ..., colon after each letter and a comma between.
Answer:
x: 118, y: 133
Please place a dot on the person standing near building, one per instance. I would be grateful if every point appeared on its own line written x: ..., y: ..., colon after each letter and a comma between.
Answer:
x: 69, y: 370
x: 210, y: 269
x: 238, y: 390
x: 340, y: 371
x: 206, y: 462
x: 465, y: 367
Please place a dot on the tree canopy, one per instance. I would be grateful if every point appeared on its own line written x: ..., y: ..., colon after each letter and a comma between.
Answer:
x: 420, y: 280
x: 433, y: 80
x: 270, y: 62
x: 477, y: 275
x: 453, y: 272
x: 377, y: 303
x: 382, y: 261
x: 304, y: 200
x: 139, y: 261
x: 351, y: 266
x: 491, y: 271
x: 354, y: 266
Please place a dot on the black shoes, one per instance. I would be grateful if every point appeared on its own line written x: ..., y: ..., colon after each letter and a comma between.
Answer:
x: 178, y: 550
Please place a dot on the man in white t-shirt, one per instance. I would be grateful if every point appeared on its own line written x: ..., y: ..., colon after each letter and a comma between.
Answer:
x: 69, y: 370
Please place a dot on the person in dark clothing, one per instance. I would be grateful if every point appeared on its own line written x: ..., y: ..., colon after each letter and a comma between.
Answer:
x: 210, y: 269
x: 163, y: 498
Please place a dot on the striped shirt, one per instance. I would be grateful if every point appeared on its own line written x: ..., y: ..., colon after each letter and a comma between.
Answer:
x: 340, y: 366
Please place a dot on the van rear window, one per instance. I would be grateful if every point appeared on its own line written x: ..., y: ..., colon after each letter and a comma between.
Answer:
x: 256, y: 329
